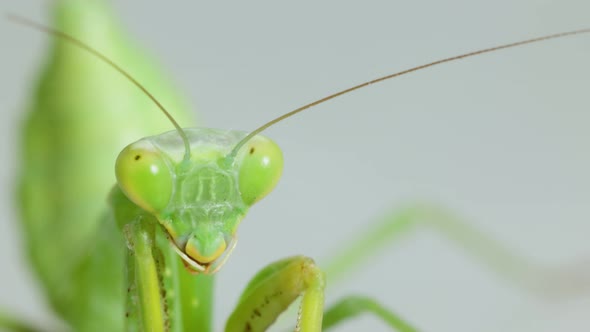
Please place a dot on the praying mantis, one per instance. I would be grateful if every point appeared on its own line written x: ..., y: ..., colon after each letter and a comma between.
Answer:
x: 309, y: 215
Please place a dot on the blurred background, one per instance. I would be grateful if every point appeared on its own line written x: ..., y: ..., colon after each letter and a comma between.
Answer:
x: 501, y: 139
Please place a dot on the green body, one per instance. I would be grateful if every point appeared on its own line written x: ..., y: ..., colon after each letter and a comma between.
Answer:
x: 83, y: 113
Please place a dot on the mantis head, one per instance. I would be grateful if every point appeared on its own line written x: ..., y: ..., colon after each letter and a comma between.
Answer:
x: 201, y: 200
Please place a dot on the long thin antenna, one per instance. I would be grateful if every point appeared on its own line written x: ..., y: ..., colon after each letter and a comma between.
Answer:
x: 403, y: 72
x: 84, y: 46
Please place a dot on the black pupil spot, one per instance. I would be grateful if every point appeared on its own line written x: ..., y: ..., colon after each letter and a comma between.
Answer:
x: 137, y: 157
x: 251, y: 150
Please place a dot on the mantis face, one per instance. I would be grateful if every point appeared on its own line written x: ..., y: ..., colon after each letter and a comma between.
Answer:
x: 200, y: 200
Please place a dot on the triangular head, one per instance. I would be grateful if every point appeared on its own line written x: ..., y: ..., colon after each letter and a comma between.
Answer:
x: 199, y: 200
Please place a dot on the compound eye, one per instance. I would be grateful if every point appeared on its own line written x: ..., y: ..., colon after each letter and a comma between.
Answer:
x: 144, y: 176
x: 260, y: 167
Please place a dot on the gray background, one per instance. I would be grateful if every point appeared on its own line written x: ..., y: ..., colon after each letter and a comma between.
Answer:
x: 502, y: 139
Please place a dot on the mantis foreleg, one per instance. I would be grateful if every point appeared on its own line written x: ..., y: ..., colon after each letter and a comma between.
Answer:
x: 143, y: 258
x: 273, y: 289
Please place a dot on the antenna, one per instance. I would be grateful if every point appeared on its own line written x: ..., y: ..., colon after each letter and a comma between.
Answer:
x: 60, y: 34
x: 270, y: 123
